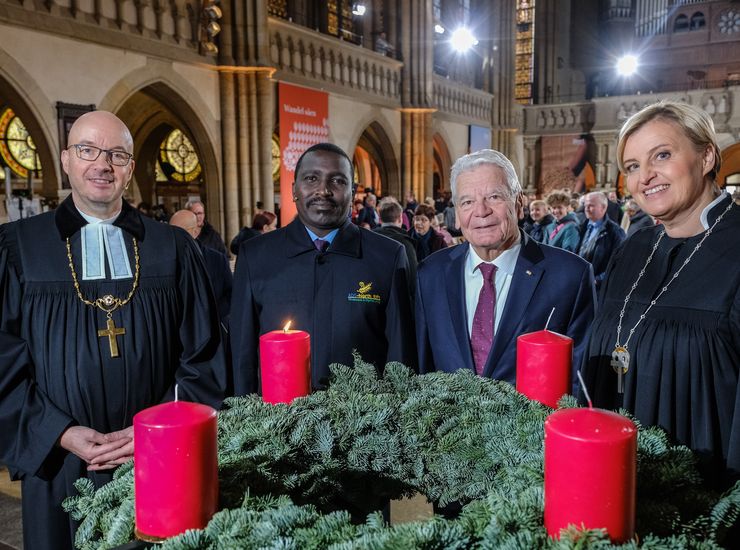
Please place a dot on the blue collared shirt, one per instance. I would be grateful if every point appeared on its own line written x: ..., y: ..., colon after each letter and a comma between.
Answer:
x: 328, y: 237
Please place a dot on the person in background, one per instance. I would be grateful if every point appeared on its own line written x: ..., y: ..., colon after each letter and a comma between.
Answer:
x: 217, y: 265
x: 426, y: 238
x: 599, y: 236
x: 263, y: 222
x: 450, y: 221
x: 637, y: 218
x: 369, y: 215
x: 208, y: 235
x: 564, y: 230
x: 541, y: 219
x: 391, y: 214
x: 665, y: 345
x: 614, y: 208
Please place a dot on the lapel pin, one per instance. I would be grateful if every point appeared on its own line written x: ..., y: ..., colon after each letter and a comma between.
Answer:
x: 529, y: 272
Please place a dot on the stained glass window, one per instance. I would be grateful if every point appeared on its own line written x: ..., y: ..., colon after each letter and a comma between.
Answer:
x: 339, y: 19
x: 178, y: 158
x: 17, y: 148
x: 275, y: 158
x: 524, y: 51
x: 278, y: 8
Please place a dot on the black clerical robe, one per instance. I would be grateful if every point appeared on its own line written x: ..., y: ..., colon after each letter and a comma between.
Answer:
x: 684, y: 374
x: 56, y: 372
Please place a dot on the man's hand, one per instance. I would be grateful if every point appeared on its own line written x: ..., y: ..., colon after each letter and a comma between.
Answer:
x: 100, y: 451
x: 119, y: 448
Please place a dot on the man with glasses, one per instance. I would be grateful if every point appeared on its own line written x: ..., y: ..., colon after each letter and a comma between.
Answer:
x: 499, y: 284
x: 102, y: 312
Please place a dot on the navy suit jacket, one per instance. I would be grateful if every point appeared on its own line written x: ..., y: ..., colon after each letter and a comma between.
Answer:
x: 544, y: 277
x: 280, y: 276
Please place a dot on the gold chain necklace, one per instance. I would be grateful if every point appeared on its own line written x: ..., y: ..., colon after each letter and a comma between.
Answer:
x: 620, y: 356
x: 107, y: 303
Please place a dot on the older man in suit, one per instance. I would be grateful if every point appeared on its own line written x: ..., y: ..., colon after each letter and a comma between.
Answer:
x: 346, y: 286
x: 499, y: 284
x: 599, y: 236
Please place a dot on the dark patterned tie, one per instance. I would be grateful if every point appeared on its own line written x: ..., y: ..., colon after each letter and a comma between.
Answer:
x: 321, y: 245
x: 481, y: 337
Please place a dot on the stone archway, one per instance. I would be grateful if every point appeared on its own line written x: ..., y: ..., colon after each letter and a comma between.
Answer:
x: 441, y: 165
x: 152, y: 113
x: 43, y: 139
x: 152, y: 102
x: 730, y: 164
x: 376, y: 163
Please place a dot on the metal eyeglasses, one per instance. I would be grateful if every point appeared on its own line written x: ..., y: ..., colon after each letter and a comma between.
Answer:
x: 112, y: 156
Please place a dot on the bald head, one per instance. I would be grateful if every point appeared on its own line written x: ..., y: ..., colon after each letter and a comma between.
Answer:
x: 101, y: 122
x: 187, y: 220
x: 99, y: 163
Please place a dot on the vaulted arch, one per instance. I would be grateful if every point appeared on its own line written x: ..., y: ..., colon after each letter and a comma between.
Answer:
x: 19, y: 92
x: 152, y: 107
x: 375, y: 162
x: 442, y: 165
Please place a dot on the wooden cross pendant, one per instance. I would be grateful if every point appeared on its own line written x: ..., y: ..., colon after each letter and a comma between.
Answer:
x: 111, y: 332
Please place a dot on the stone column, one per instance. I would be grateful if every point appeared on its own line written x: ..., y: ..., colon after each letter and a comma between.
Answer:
x: 417, y: 153
x: 247, y: 107
x: 606, y: 161
x: 247, y: 112
x: 499, y: 77
x: 529, y: 176
x: 417, y: 98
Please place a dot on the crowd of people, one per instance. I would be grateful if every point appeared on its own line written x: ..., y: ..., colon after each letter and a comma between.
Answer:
x: 439, y: 285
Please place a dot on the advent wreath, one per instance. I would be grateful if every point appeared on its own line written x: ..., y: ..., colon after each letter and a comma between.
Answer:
x: 299, y: 476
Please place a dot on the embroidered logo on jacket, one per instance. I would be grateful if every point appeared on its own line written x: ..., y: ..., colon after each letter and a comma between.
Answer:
x: 363, y: 294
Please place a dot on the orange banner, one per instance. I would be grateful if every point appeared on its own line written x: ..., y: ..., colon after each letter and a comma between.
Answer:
x: 304, y: 121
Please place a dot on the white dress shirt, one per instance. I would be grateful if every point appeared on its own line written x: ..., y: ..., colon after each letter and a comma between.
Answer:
x: 505, y: 265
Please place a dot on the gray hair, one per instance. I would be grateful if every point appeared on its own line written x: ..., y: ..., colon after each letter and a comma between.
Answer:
x: 481, y: 158
x: 192, y: 202
x: 600, y: 196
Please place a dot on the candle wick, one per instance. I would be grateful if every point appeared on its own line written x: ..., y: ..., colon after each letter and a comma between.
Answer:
x: 175, y: 392
x: 585, y: 390
x: 549, y: 317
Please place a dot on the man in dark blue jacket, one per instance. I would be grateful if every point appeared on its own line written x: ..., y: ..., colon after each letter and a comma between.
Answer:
x: 475, y: 299
x: 599, y: 235
x: 346, y: 286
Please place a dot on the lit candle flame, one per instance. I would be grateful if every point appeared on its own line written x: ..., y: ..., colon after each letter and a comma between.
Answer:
x: 287, y: 326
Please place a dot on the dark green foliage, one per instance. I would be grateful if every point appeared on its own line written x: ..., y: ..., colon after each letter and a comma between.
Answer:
x: 310, y: 475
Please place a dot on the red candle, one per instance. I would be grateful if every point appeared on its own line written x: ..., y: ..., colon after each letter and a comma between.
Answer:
x: 543, y: 366
x: 285, y: 365
x: 175, y: 469
x: 590, y: 468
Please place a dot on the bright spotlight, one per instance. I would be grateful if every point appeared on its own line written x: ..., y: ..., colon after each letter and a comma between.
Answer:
x: 627, y: 65
x: 359, y: 9
x: 439, y: 29
x: 462, y: 39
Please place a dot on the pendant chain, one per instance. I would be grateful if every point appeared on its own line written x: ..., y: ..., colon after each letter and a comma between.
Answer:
x: 107, y: 303
x: 662, y: 291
